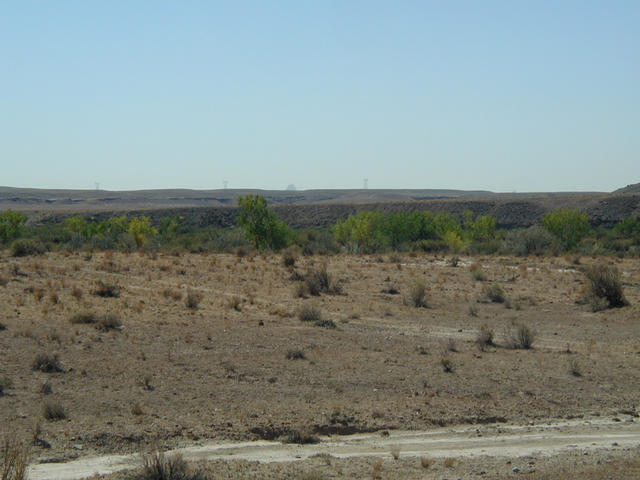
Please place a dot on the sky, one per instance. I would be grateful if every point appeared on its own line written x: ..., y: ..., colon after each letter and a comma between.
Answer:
x: 506, y: 96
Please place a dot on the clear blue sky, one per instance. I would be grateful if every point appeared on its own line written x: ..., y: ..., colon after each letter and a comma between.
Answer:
x: 498, y: 95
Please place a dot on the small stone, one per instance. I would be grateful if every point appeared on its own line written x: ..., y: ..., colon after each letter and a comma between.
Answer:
x: 515, y: 469
x: 77, y: 446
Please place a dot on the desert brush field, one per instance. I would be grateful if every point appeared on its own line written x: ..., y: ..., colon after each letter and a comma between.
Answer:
x: 116, y: 353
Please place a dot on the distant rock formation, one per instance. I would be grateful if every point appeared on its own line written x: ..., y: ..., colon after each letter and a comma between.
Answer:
x: 633, y: 188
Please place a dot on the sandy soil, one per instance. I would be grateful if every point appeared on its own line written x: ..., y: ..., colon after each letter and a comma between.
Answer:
x: 173, y: 377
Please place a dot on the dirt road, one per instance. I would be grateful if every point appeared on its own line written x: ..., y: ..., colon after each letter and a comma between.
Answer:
x: 496, y: 440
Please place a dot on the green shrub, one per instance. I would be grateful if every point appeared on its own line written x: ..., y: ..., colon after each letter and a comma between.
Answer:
x: 605, y: 287
x: 11, y: 225
x: 141, y: 230
x: 569, y: 226
x: 529, y: 241
x: 262, y: 226
x: 24, y: 247
x: 360, y: 233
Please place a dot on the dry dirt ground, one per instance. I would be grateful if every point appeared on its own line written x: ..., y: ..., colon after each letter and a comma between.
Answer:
x: 173, y: 376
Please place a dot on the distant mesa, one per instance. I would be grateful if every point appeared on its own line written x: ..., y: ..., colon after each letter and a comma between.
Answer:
x: 291, y: 187
x: 633, y: 188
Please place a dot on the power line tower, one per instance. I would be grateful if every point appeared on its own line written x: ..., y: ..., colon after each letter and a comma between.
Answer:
x: 366, y: 183
x: 225, y: 183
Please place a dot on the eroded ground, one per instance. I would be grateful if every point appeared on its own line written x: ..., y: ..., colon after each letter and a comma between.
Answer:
x: 174, y: 376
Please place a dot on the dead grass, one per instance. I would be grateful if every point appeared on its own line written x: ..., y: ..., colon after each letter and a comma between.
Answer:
x: 159, y: 466
x: 14, y: 459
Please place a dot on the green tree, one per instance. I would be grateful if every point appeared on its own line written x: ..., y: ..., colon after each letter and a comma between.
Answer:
x: 483, y: 228
x: 261, y: 226
x: 569, y: 226
x: 445, y: 222
x: 141, y: 229
x: 77, y: 225
x: 11, y: 224
x: 361, y: 232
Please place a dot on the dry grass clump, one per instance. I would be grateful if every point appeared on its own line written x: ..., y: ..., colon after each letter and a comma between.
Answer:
x: 158, y: 466
x: 106, y: 290
x: 521, y: 337
x: 477, y: 273
x: 289, y: 259
x: 417, y: 295
x: 295, y: 354
x: 171, y: 293
x: 193, y: 299
x: 485, y: 338
x: 54, y: 411
x: 301, y: 437
x: 105, y: 322
x: 318, y: 281
x: 447, y: 364
x: 109, y: 321
x: 235, y: 303
x: 47, y: 363
x: 84, y: 317
x: 14, y: 459
x: 574, y: 368
x: 5, y: 383
x: 309, y: 313
x: 493, y: 293
x: 605, y: 288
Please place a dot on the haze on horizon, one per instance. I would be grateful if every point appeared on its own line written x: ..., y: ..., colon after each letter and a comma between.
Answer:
x: 498, y: 95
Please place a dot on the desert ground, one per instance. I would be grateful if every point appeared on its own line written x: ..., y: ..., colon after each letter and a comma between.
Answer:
x: 187, y: 350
